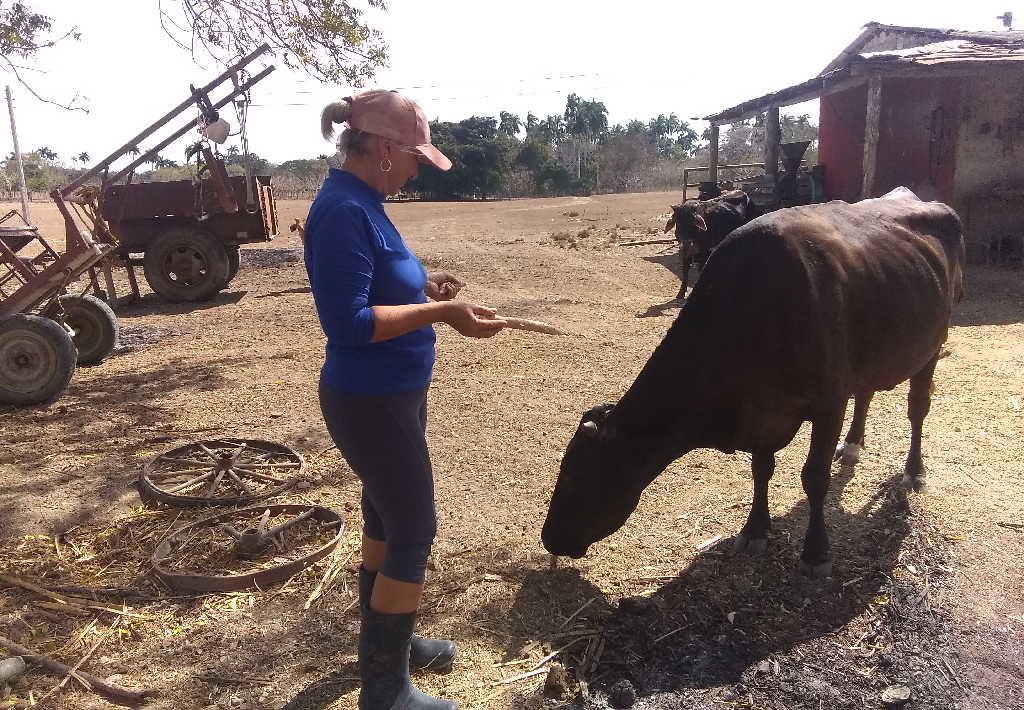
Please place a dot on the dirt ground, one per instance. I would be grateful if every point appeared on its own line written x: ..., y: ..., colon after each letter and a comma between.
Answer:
x: 927, y: 593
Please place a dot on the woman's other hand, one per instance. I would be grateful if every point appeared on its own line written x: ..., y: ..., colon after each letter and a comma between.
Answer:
x: 473, y: 321
x: 442, y: 285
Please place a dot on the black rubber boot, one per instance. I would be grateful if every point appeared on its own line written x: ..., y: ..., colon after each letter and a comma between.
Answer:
x: 434, y: 655
x: 384, y: 641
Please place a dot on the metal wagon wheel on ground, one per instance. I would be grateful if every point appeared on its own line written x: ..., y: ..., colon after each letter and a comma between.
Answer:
x: 95, y: 327
x: 37, y: 359
x: 187, y: 264
x: 220, y: 472
x: 251, y: 547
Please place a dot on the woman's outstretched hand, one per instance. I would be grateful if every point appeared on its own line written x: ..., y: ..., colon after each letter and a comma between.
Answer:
x: 442, y: 285
x: 473, y: 321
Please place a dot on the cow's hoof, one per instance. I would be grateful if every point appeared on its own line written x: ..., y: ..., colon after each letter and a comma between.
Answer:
x: 816, y: 571
x: 848, y: 454
x: 749, y: 545
x: 918, y: 484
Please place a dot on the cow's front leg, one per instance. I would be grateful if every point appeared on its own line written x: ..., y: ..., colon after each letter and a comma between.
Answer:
x: 848, y: 453
x: 754, y: 535
x: 684, y: 263
x: 815, y: 560
x: 919, y: 401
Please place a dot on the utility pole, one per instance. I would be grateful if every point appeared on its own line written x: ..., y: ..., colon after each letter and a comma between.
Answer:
x: 17, y: 157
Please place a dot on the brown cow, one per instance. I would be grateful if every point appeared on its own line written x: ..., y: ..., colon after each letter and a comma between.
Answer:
x: 795, y: 312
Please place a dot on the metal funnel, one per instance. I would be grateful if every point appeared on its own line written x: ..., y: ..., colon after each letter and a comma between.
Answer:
x: 792, y: 153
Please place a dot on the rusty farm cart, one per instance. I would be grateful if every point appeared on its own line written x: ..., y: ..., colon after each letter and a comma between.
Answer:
x: 45, y: 331
x: 188, y: 232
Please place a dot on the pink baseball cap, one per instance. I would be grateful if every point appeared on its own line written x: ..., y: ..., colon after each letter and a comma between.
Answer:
x: 391, y: 115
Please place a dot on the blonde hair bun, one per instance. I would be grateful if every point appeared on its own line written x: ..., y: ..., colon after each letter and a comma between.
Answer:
x: 335, y: 112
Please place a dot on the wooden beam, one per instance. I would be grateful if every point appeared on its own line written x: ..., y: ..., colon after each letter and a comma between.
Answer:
x: 713, y: 155
x: 871, y: 134
x: 187, y: 103
x: 772, y: 138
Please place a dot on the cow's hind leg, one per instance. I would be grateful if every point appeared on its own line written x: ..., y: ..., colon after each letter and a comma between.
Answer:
x: 754, y: 535
x: 919, y: 401
x: 848, y: 452
x: 815, y: 560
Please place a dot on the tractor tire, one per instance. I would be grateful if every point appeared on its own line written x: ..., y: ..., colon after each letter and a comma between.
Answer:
x: 37, y: 359
x: 95, y: 325
x: 186, y: 264
x: 234, y: 262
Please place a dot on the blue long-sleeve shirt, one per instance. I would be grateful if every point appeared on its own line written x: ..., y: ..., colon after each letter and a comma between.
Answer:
x: 356, y: 259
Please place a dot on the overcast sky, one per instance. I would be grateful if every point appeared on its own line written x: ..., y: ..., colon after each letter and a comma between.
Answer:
x: 459, y: 58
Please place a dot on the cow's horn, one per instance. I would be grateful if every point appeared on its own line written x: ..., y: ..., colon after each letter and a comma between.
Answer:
x: 589, y: 428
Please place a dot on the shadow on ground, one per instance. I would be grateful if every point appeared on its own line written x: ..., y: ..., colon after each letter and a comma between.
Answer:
x: 751, y: 631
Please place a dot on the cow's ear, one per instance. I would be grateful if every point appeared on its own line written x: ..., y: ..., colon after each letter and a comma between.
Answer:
x: 671, y: 222
x: 698, y: 220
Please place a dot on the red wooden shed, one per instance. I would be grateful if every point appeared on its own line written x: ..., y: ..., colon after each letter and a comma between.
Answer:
x: 938, y: 111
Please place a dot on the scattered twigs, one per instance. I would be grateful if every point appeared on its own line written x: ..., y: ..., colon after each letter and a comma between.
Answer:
x: 645, y: 242
x: 111, y: 691
x: 73, y: 672
x: 551, y: 655
x: 517, y: 678
x: 576, y: 613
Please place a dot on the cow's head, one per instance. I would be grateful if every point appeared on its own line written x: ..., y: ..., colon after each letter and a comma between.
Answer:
x: 602, y: 476
x: 688, y: 221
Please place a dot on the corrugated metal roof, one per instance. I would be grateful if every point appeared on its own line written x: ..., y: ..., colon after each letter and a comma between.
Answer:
x: 955, y: 50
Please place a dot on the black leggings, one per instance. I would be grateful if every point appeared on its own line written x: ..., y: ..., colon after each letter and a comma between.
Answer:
x: 383, y: 439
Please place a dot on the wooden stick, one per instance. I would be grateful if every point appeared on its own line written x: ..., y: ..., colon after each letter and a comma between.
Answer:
x: 645, y: 242
x: 73, y: 672
x: 15, y: 582
x: 521, y: 676
x: 533, y: 325
x: 101, y: 686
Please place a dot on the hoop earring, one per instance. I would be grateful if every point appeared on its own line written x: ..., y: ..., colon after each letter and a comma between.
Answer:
x: 385, y: 168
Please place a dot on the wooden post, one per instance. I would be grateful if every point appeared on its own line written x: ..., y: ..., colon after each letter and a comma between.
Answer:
x: 713, y: 155
x: 871, y: 133
x: 17, y: 156
x: 772, y: 137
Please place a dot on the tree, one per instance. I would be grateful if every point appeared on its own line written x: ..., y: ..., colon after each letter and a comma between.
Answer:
x: 23, y: 33
x: 509, y: 124
x: 83, y: 157
x: 46, y: 154
x: 328, y: 39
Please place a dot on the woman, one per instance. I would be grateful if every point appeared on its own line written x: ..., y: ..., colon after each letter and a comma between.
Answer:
x: 371, y: 295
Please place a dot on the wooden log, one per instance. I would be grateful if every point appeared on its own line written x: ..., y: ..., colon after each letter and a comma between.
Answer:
x: 101, y: 686
x: 871, y: 135
x: 713, y: 154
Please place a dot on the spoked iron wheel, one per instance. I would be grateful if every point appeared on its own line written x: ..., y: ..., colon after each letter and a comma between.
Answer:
x: 251, y: 547
x: 220, y: 472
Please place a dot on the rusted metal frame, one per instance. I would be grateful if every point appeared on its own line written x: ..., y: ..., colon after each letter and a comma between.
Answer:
x: 191, y: 124
x: 190, y: 101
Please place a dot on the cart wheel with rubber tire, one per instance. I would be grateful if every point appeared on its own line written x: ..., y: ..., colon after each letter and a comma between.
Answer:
x: 234, y: 262
x: 37, y: 359
x: 186, y: 264
x: 95, y: 325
